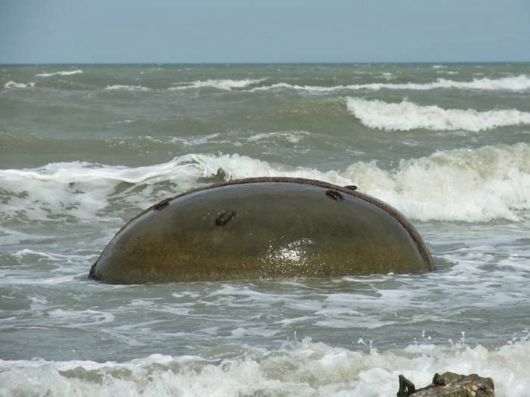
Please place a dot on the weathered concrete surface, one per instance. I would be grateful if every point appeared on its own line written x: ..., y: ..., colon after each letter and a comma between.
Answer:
x: 263, y: 228
x: 449, y: 385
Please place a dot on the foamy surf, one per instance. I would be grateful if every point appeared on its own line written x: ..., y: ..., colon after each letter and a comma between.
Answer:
x: 406, y: 116
x: 511, y: 83
x: 14, y: 84
x: 63, y: 197
x: 124, y: 87
x: 302, y: 369
x: 479, y: 185
x: 492, y: 182
x: 60, y: 73
x: 219, y: 84
x: 82, y: 189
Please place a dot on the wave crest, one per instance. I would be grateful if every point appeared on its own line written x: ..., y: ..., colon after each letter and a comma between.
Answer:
x: 511, y: 83
x: 406, y: 116
x: 219, y: 84
x: 301, y: 369
x: 122, y: 87
x: 492, y: 182
x: 60, y: 73
x: 14, y: 84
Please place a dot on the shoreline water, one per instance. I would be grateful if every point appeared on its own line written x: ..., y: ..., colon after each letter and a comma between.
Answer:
x: 77, y: 160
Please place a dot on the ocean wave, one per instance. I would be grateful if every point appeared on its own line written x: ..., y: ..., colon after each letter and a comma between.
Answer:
x: 81, y: 189
x: 300, y: 369
x: 121, y: 87
x: 511, y: 83
x: 471, y: 185
x: 310, y: 88
x: 14, y: 84
x: 219, y: 84
x: 292, y: 137
x: 406, y: 116
x: 60, y: 73
x: 448, y: 72
x: 388, y: 76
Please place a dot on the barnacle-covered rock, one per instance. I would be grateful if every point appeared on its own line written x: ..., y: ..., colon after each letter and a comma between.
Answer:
x: 449, y: 385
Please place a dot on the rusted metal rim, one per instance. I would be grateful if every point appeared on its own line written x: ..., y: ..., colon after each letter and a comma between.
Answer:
x: 312, y: 182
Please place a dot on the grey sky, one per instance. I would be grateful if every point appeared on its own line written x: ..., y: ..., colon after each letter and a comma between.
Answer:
x: 127, y: 31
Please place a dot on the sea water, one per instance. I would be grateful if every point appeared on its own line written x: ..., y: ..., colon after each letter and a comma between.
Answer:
x: 83, y: 148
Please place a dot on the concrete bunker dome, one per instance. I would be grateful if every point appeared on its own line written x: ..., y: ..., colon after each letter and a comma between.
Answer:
x: 263, y: 228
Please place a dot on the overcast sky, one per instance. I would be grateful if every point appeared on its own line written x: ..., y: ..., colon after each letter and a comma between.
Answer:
x: 158, y: 31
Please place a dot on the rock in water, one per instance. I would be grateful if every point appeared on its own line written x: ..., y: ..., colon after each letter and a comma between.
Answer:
x: 449, y: 385
x: 263, y: 228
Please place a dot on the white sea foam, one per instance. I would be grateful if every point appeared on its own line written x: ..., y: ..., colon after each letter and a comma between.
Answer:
x: 220, y: 84
x: 53, y: 257
x: 511, y: 83
x: 273, y: 137
x: 82, y: 189
x: 449, y: 72
x: 14, y: 84
x: 60, y: 73
x: 467, y: 185
x: 301, y: 370
x: 491, y: 182
x: 310, y: 88
x: 289, y: 136
x: 406, y: 116
x: 388, y: 76
x: 121, y: 87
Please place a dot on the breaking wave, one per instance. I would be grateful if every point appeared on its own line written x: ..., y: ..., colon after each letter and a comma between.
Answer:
x: 406, y: 116
x: 60, y: 73
x: 301, y: 369
x: 14, y: 84
x: 512, y: 83
x: 471, y: 185
x: 220, y: 84
x: 121, y: 87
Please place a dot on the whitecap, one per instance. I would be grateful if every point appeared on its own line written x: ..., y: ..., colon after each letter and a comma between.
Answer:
x: 491, y: 182
x: 289, y: 136
x: 510, y: 83
x: 60, y: 73
x: 121, y: 87
x: 301, y: 369
x: 406, y: 116
x: 220, y: 84
x: 471, y: 185
x: 14, y: 84
x: 448, y: 72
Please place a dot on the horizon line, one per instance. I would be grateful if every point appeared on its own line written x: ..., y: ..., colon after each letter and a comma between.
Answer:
x: 267, y: 63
